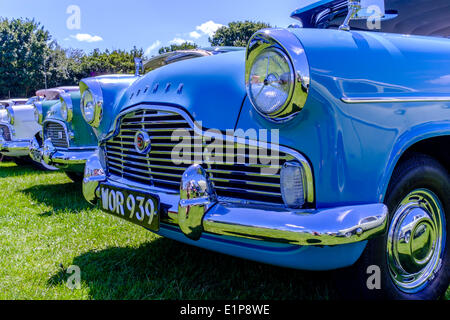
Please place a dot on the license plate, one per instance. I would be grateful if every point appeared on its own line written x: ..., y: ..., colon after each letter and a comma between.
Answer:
x: 139, y: 208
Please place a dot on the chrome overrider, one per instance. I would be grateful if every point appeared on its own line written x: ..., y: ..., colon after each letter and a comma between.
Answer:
x: 15, y: 148
x: 197, y: 210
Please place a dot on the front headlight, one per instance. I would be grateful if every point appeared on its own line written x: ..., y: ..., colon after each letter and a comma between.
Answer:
x: 64, y: 111
x: 92, y: 108
x: 66, y: 107
x: 38, y: 116
x: 271, y: 81
x: 277, y: 74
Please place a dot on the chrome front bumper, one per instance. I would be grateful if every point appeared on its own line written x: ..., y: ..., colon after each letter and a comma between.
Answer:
x: 72, y: 158
x: 196, y: 211
x: 16, y: 148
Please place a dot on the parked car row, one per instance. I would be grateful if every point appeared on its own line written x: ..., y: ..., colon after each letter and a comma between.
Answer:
x: 353, y: 170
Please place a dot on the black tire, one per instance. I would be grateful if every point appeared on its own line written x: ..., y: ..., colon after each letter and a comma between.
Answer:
x: 417, y: 172
x: 76, y: 177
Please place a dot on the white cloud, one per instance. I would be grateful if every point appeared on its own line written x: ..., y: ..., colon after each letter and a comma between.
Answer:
x: 195, y: 35
x: 85, y: 37
x: 209, y: 27
x: 178, y: 41
x: 155, y: 45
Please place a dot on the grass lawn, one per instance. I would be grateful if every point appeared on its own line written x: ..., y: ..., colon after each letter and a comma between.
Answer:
x: 46, y: 226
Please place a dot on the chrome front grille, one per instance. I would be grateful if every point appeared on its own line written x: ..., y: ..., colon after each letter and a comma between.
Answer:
x: 57, y: 133
x: 4, y: 130
x: 231, y: 179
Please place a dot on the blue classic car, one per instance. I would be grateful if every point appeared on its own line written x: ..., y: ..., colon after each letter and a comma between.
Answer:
x: 67, y: 140
x: 319, y: 147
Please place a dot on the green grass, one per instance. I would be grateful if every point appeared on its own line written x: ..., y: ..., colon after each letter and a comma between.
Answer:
x: 46, y: 226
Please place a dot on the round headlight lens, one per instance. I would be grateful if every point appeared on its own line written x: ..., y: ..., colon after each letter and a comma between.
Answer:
x: 88, y: 104
x: 271, y: 81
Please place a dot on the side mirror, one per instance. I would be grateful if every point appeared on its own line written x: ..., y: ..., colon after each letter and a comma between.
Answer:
x: 363, y: 10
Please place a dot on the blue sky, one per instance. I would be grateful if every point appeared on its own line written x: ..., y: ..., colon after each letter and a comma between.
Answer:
x: 146, y: 24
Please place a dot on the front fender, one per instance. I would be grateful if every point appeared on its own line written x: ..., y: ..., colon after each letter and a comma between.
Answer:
x: 110, y: 89
x: 418, y: 133
x: 25, y: 124
x: 354, y: 147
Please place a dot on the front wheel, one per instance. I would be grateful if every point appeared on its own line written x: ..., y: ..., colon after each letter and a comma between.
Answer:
x: 411, y: 260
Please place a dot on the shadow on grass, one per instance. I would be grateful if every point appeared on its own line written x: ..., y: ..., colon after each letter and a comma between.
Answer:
x: 12, y: 170
x: 61, y: 197
x: 166, y: 269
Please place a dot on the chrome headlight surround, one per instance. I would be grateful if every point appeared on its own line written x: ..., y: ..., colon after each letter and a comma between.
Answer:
x: 66, y: 107
x: 39, y: 117
x: 283, y: 43
x: 91, y: 102
x: 10, y: 115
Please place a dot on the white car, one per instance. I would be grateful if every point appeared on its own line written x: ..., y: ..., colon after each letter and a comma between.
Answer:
x: 19, y: 125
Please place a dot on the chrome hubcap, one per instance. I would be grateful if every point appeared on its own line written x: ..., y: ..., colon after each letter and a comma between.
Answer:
x: 415, y: 240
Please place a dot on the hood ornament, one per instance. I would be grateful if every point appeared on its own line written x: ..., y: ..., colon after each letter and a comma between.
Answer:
x: 370, y: 10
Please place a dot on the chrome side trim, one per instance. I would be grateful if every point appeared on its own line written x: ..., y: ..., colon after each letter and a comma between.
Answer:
x: 356, y: 100
x: 308, y: 181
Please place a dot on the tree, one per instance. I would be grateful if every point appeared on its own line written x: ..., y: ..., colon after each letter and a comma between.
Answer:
x: 30, y: 60
x: 176, y: 47
x: 236, y: 34
x: 24, y: 51
x: 117, y: 61
x: 62, y: 67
